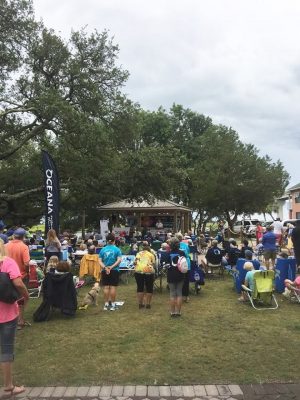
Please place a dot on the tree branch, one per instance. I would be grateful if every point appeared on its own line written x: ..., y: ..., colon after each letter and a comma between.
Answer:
x: 24, y: 193
x: 16, y: 110
x: 20, y: 143
x: 15, y: 196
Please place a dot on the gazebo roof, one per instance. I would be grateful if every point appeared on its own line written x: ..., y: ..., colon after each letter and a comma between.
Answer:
x: 157, y: 205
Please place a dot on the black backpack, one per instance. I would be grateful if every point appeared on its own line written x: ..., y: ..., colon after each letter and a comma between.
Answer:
x: 8, y: 293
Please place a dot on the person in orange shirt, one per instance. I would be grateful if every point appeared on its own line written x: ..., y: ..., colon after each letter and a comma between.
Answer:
x: 18, y: 251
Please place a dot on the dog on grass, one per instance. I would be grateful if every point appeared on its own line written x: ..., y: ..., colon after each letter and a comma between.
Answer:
x: 91, y: 298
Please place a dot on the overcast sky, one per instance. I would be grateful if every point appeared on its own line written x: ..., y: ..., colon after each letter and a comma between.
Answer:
x: 237, y: 61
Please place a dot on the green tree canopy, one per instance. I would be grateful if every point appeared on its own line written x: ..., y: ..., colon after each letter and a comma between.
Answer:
x: 66, y: 96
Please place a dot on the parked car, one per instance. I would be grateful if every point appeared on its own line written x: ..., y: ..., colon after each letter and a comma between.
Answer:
x: 247, y: 225
x: 285, y: 222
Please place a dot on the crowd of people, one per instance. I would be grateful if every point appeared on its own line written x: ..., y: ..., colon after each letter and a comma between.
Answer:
x: 173, y: 255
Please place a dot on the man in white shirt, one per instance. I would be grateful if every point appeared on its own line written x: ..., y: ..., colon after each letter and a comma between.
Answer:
x: 278, y: 230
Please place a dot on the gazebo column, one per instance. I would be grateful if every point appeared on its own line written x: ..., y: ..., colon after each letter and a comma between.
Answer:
x: 185, y: 222
x: 139, y: 219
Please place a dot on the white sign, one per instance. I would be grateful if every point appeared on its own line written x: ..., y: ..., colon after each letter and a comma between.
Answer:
x: 104, y: 228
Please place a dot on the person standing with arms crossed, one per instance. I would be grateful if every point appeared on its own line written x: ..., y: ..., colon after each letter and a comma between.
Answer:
x: 110, y: 258
x: 18, y: 251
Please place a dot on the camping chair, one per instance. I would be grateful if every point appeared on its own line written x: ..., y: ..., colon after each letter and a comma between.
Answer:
x: 294, y: 294
x: 215, y: 270
x: 89, y: 269
x: 239, y: 274
x: 284, y: 269
x: 58, y: 292
x: 161, y: 269
x: 34, y: 283
x: 38, y: 256
x: 126, y: 266
x: 262, y: 296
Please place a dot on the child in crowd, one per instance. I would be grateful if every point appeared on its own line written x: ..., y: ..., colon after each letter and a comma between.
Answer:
x: 259, y: 248
x: 244, y: 247
x: 52, y: 264
x: 62, y: 267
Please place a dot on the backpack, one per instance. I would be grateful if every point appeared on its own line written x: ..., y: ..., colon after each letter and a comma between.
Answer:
x: 8, y: 292
x: 179, y: 262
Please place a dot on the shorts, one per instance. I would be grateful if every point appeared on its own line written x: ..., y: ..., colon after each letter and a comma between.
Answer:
x: 269, y: 254
x: 7, y: 340
x: 111, y: 279
x: 175, y: 289
x: 144, y: 281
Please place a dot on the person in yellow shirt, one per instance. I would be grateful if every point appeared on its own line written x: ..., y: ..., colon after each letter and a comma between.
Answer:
x: 144, y: 275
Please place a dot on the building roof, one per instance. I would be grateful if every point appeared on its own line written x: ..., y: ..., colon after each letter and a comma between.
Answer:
x: 295, y: 187
x: 123, y: 205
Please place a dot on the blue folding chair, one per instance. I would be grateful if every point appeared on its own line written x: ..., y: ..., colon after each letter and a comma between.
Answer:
x: 285, y: 268
x: 239, y: 274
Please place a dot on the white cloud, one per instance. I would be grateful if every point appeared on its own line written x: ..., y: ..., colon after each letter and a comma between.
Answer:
x: 236, y: 61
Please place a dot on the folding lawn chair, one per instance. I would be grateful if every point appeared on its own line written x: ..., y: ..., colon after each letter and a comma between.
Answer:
x: 126, y: 267
x: 239, y: 274
x: 35, y: 283
x: 38, y: 256
x: 262, y: 296
x: 294, y: 295
x: 161, y: 269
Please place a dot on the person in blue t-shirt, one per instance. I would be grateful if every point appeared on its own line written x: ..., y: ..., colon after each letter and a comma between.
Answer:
x: 110, y: 258
x: 269, y: 243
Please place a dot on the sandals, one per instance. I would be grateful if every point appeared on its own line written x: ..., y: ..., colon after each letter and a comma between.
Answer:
x: 21, y: 326
x: 14, y: 391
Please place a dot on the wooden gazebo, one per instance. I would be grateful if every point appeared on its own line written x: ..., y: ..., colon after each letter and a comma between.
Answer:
x: 172, y: 216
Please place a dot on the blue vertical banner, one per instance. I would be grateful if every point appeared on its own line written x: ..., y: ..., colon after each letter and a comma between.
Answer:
x: 51, y: 185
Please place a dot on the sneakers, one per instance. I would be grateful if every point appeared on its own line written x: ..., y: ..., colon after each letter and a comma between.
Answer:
x: 175, y: 315
x: 148, y: 306
x: 110, y: 307
x: 141, y: 306
x: 114, y: 307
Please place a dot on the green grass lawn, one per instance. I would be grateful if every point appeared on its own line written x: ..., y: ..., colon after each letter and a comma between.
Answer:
x: 217, y: 340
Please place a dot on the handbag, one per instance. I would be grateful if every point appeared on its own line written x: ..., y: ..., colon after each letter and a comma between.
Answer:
x: 8, y: 293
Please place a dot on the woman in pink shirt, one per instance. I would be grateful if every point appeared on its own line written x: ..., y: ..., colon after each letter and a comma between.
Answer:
x: 8, y: 321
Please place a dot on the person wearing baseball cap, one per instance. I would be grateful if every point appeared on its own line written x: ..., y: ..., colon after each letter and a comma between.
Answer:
x: 18, y: 251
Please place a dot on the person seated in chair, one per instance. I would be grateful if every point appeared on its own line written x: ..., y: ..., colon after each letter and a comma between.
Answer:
x: 249, y: 257
x: 290, y: 286
x: 249, y: 279
x: 58, y: 292
x: 62, y: 267
x: 233, y: 254
x: 213, y: 256
x: 245, y: 246
x: 134, y: 248
x: 52, y: 264
x: 90, y: 265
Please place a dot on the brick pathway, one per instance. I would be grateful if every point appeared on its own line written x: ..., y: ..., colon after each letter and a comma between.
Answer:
x: 192, y: 392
